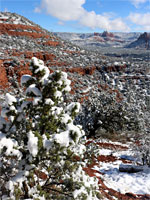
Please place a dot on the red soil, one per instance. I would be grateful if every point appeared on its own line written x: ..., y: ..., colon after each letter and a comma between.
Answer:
x: 22, y: 30
x: 109, y: 193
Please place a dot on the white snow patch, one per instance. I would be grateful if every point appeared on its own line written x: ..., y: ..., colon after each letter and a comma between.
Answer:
x: 58, y: 94
x: 32, y: 144
x: 34, y: 90
x: 10, y: 99
x: 10, y: 146
x: 36, y: 100
x: 71, y: 106
x: 4, y: 112
x: 63, y: 138
x: 25, y: 78
x: 136, y: 183
x: 49, y: 101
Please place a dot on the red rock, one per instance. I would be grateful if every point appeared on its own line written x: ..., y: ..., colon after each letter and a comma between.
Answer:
x: 103, y: 158
x: 29, y: 31
x: 72, y: 52
x: 96, y: 34
x: 111, y: 146
x: 145, y: 36
x: 107, y: 34
x: 114, y: 68
x: 51, y: 43
x: 81, y: 71
x: 131, y: 195
x: 3, y: 76
x: 41, y: 175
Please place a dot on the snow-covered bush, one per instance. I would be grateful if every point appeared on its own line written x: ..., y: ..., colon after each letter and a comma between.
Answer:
x: 142, y: 147
x: 137, y: 99
x: 104, y: 115
x: 142, y: 150
x: 41, y: 148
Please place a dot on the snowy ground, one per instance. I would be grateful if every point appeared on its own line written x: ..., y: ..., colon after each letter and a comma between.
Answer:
x: 123, y: 182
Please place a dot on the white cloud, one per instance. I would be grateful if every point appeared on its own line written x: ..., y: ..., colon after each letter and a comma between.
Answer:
x: 137, y: 2
x: 37, y: 10
x: 147, y: 28
x: 6, y: 10
x: 63, y: 9
x: 66, y: 10
x: 61, y: 23
x: 142, y: 20
x: 93, y: 20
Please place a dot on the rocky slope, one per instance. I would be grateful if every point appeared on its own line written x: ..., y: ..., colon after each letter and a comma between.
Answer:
x: 21, y: 39
x: 143, y: 42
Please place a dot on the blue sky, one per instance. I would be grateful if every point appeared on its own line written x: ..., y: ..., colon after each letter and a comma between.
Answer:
x: 84, y: 15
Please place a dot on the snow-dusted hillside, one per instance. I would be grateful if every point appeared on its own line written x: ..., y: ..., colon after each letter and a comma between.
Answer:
x: 99, y: 39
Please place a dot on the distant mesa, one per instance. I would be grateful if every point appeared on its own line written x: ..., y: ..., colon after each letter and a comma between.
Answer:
x: 107, y: 34
x: 107, y: 38
x: 96, y: 34
x: 100, y: 39
x: 143, y: 42
x: 145, y: 36
x: 104, y: 34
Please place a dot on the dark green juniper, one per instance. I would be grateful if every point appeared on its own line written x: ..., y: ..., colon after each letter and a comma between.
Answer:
x: 40, y: 141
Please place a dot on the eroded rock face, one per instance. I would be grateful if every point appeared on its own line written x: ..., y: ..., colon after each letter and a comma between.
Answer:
x: 106, y: 37
x: 3, y: 76
x: 107, y: 34
x: 145, y: 36
x: 143, y: 42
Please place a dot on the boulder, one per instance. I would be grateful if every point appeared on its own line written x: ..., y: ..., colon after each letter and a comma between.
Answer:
x: 130, y: 168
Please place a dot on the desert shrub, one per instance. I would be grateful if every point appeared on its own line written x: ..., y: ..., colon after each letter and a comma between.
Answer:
x: 41, y: 148
x: 142, y: 150
x: 103, y: 114
x: 139, y: 103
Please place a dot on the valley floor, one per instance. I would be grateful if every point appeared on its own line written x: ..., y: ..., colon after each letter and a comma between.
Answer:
x: 113, y: 183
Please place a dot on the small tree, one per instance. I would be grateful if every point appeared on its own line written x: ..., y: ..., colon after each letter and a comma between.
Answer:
x: 39, y: 143
x: 105, y: 116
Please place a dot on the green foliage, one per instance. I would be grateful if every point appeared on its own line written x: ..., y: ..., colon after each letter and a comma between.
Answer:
x: 44, y: 141
x: 105, y: 116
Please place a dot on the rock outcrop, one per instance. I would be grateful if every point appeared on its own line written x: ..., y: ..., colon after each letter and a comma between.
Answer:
x: 107, y: 34
x: 143, y: 42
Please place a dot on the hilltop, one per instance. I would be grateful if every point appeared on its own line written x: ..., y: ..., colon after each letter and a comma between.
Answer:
x: 143, y: 42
